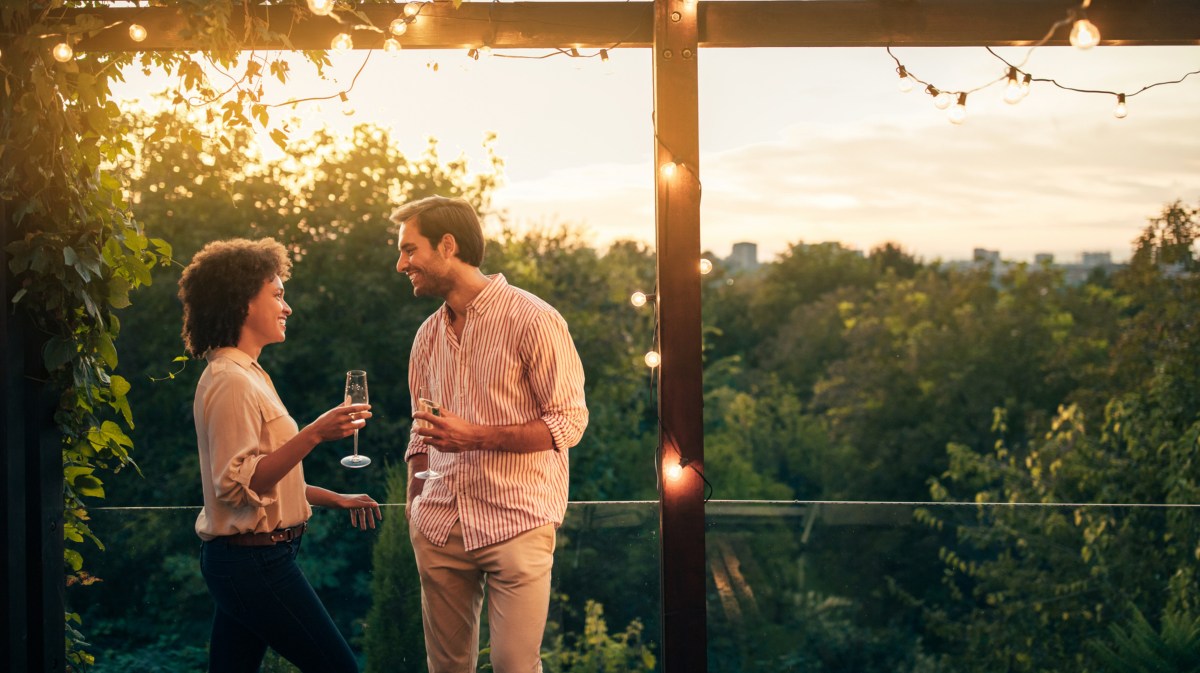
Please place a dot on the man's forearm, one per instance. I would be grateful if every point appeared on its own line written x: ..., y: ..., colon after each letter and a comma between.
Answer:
x: 528, y: 437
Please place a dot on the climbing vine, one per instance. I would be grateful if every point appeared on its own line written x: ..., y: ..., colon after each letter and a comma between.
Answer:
x: 75, y: 249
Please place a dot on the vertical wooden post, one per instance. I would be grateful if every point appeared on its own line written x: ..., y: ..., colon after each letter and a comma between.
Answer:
x: 31, y: 507
x: 681, y: 399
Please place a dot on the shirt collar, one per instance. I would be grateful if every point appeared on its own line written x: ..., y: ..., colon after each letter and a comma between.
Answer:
x: 486, y: 298
x: 236, y: 355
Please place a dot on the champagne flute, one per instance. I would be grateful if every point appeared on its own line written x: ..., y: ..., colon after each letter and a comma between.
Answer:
x: 356, y: 393
x: 426, y: 403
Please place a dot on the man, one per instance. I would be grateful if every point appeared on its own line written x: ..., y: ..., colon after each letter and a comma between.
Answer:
x: 501, y: 365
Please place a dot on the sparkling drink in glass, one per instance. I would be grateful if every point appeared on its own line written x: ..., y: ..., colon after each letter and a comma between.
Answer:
x: 356, y: 393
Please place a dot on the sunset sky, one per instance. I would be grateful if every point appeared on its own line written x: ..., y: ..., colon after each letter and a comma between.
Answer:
x: 806, y: 144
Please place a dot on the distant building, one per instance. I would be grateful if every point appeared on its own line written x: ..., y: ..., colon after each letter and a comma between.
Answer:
x: 986, y: 256
x: 744, y: 258
x: 1094, y: 259
x: 1043, y: 259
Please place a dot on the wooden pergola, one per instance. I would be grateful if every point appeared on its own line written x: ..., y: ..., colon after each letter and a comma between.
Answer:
x: 676, y: 31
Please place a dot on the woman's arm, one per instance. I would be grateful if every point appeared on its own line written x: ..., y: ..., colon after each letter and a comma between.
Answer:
x: 336, y: 423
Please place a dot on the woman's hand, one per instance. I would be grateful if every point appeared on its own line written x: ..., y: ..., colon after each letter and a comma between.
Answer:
x: 364, y: 511
x: 340, y: 421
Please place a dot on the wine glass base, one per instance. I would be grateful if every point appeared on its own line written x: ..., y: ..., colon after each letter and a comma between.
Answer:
x: 428, y: 474
x: 356, y: 461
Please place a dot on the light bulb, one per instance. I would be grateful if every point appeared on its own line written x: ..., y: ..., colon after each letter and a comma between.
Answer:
x: 1120, y: 111
x: 653, y: 359
x: 347, y: 107
x: 674, y: 472
x: 320, y: 7
x: 391, y: 45
x: 398, y: 27
x: 942, y: 100
x: 638, y: 299
x: 137, y: 32
x: 1084, y: 34
x: 958, y: 113
x: 905, y: 84
x: 62, y: 52
x: 1026, y: 84
x: 485, y: 50
x: 705, y: 266
x: 342, y: 42
x: 668, y: 170
x: 604, y: 56
x: 1013, y: 92
x: 411, y: 9
x: 473, y: 54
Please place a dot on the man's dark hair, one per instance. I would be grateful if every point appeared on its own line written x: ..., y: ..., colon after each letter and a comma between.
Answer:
x: 437, y: 216
x: 217, y: 286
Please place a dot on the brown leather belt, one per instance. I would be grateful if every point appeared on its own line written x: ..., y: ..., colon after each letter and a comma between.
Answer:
x: 266, y: 539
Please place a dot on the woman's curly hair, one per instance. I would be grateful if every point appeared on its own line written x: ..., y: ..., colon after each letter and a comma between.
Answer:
x: 217, y: 286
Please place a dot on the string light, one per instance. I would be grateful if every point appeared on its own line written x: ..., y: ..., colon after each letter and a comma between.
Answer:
x: 604, y: 56
x: 639, y: 298
x: 485, y: 50
x: 1084, y: 33
x: 1120, y: 110
x: 958, y: 113
x: 1026, y: 84
x: 674, y: 472
x: 398, y: 27
x: 342, y: 42
x: 320, y: 7
x: 705, y: 267
x: 1013, y: 93
x: 905, y: 84
x: 347, y: 107
x: 411, y: 9
x: 391, y: 45
x: 62, y: 52
x: 473, y: 54
x: 137, y: 32
x: 653, y: 359
x: 668, y: 169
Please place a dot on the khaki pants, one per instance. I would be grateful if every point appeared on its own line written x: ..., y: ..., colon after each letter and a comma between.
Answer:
x: 517, y: 575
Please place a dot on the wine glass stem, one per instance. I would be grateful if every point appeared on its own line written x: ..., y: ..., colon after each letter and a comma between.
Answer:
x: 356, y: 442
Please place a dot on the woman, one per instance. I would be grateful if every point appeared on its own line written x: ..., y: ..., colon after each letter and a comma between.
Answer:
x: 256, y: 503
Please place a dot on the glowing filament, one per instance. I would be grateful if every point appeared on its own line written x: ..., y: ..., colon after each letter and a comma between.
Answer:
x: 342, y: 42
x: 1084, y: 34
x: 137, y: 32
x: 62, y: 52
x: 398, y: 27
x: 705, y: 267
x: 638, y: 299
x: 320, y: 7
x: 653, y: 359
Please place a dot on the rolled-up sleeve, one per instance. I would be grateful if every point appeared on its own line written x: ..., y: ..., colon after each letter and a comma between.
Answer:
x: 235, y: 422
x: 556, y: 377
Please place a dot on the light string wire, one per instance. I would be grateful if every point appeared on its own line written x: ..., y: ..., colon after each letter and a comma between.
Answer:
x: 656, y: 372
x: 1073, y: 15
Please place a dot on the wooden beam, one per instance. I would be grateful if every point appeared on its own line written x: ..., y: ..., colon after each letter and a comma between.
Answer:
x: 681, y: 374
x: 756, y: 23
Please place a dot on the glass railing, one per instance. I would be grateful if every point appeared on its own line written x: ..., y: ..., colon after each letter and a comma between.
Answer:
x: 792, y: 586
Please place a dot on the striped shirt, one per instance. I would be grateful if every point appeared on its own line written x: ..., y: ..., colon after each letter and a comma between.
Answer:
x: 514, y: 363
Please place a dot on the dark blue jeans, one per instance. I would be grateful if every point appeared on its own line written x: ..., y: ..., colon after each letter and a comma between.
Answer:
x: 263, y: 600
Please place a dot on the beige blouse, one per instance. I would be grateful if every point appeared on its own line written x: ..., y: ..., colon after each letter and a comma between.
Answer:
x: 239, y: 420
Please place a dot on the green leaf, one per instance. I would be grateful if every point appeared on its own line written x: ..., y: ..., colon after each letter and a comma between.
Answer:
x: 73, y: 559
x: 118, y: 292
x: 59, y: 351
x: 90, y: 486
x: 119, y: 386
x: 106, y: 349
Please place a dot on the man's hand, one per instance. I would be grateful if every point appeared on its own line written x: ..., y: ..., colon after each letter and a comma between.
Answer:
x: 449, y: 433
